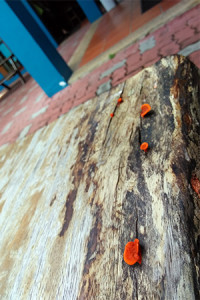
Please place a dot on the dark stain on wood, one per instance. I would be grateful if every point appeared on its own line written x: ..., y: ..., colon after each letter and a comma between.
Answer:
x: 79, y: 172
x: 183, y: 169
x: 188, y: 83
x: 52, y: 200
x: 59, y: 152
x: 94, y: 249
x: 187, y: 121
x: 195, y: 183
x: 68, y: 211
x: 92, y: 168
x: 93, y: 239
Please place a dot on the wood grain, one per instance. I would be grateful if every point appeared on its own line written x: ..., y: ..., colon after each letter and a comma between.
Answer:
x: 74, y: 193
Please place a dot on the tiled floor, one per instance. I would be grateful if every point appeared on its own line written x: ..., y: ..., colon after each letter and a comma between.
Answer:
x: 117, y: 24
x: 68, y: 47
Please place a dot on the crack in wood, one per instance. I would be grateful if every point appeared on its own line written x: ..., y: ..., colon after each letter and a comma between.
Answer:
x: 110, y: 120
x: 118, y: 178
x: 136, y: 286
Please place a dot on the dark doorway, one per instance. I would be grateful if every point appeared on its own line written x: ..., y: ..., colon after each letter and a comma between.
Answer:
x: 147, y: 4
x: 61, y: 18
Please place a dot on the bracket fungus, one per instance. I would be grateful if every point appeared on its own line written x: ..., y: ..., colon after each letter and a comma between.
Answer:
x: 145, y: 109
x: 132, y: 253
x: 144, y: 146
x: 119, y: 100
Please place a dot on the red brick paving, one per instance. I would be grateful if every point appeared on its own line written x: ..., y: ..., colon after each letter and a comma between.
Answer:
x: 170, y: 49
x: 191, y: 40
x: 170, y: 39
x: 118, y: 75
x: 179, y: 37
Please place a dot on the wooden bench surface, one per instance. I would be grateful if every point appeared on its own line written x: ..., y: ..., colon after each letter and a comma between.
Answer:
x: 75, y: 192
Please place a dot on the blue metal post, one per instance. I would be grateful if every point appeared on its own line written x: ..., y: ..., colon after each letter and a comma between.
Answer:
x: 90, y: 9
x: 32, y: 47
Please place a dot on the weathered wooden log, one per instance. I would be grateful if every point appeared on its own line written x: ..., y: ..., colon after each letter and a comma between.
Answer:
x: 74, y: 193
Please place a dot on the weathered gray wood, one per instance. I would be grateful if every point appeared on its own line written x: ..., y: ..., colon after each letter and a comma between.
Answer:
x: 74, y: 193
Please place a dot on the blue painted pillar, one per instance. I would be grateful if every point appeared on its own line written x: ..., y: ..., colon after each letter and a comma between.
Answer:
x: 90, y: 9
x: 31, y: 46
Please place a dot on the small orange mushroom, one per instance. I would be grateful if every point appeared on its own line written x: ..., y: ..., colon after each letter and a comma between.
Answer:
x: 145, y: 109
x: 132, y: 253
x: 144, y: 146
x: 111, y: 115
x: 119, y: 100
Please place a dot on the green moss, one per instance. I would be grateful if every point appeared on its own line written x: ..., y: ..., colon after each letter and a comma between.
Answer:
x: 111, y: 56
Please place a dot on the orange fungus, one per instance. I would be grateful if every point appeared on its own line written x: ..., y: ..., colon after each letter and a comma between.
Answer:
x: 144, y: 146
x: 132, y: 253
x: 111, y: 115
x: 119, y: 100
x: 145, y: 109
